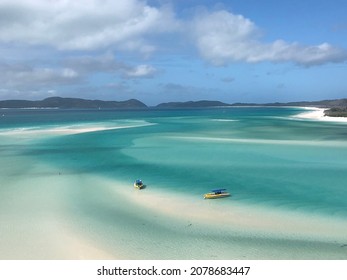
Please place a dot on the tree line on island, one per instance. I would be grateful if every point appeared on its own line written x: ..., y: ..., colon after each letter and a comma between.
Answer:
x: 335, y: 107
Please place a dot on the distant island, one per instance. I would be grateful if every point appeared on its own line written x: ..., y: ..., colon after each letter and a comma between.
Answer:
x: 335, y: 107
x: 192, y: 104
x: 72, y: 103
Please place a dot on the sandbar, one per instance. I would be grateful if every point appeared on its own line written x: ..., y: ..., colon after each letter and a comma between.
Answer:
x: 83, y: 216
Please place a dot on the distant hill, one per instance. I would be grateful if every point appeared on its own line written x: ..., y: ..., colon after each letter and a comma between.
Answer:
x: 192, y: 104
x: 336, y: 112
x: 337, y: 107
x: 72, y: 103
x: 321, y: 104
x: 340, y: 103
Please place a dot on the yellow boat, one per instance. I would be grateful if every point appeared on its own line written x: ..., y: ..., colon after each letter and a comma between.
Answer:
x: 218, y: 193
x: 139, y: 184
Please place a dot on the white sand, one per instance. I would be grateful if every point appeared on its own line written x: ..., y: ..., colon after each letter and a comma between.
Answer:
x: 239, y: 218
x: 318, y: 114
x: 234, y: 230
x: 66, y: 130
x: 33, y: 224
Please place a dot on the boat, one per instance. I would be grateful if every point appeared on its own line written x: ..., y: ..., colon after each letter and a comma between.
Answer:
x: 217, y: 193
x: 138, y: 184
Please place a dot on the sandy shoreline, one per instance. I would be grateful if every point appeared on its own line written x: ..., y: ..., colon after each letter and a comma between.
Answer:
x: 317, y: 114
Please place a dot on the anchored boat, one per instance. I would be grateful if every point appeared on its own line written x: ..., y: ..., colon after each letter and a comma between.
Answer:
x: 217, y: 193
x: 138, y: 184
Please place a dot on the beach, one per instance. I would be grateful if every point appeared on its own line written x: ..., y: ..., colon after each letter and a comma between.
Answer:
x: 318, y: 114
x: 67, y: 192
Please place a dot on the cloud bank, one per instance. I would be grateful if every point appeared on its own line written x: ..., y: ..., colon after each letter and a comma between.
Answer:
x: 72, y: 71
x: 223, y: 38
x: 133, y: 25
x: 84, y: 25
x: 22, y: 76
x: 65, y: 46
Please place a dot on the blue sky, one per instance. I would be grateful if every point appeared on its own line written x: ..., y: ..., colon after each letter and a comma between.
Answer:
x: 161, y: 50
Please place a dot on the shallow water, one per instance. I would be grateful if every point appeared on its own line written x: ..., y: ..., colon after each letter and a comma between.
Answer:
x: 258, y: 157
x: 263, y: 156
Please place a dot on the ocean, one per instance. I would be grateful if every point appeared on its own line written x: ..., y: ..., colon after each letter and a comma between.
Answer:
x: 66, y: 184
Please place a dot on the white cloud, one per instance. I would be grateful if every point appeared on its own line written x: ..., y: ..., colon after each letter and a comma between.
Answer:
x: 84, y: 25
x: 107, y: 63
x: 28, y: 77
x: 140, y: 71
x: 132, y: 25
x: 33, y: 33
x: 223, y: 38
x: 71, y: 71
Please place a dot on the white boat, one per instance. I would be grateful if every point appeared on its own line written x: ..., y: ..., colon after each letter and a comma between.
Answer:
x: 217, y: 193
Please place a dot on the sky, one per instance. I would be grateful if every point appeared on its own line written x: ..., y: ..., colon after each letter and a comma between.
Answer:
x: 174, y: 50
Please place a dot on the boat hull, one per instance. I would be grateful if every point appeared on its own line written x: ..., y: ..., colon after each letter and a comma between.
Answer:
x: 137, y: 186
x: 214, y: 195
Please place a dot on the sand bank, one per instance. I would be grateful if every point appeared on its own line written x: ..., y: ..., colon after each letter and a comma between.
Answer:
x: 48, y: 215
x: 239, y: 230
x: 69, y: 129
x: 235, y: 217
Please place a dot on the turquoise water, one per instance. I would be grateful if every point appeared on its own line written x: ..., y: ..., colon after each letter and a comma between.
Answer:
x: 262, y: 155
x: 53, y: 161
